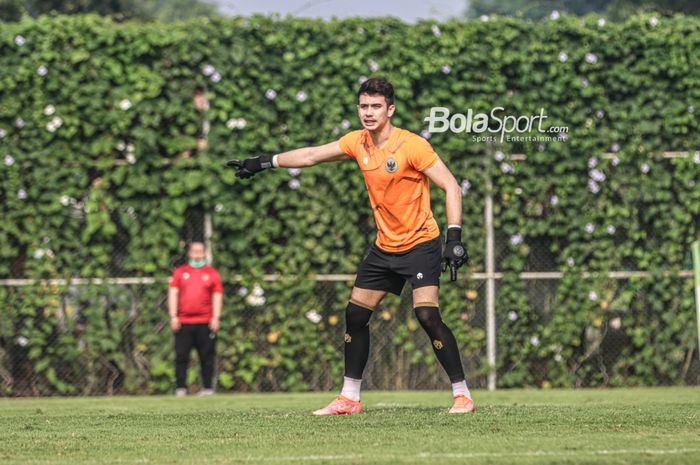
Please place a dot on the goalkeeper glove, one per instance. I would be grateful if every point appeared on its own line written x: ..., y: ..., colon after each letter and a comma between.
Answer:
x: 247, y: 168
x: 455, y: 254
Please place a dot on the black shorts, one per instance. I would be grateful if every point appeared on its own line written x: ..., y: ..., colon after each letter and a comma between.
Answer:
x: 389, y: 271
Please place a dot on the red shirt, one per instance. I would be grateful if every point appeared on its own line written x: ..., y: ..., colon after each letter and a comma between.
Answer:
x: 196, y: 287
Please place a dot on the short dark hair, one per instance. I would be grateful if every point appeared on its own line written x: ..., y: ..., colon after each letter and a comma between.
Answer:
x: 377, y: 86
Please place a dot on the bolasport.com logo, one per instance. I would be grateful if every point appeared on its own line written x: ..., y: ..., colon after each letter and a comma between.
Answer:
x: 495, y: 126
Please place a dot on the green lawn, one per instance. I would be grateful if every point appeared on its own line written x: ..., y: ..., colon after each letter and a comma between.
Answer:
x: 631, y: 426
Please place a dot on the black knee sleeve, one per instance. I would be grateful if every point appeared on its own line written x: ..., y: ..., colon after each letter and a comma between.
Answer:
x: 443, y: 341
x: 356, y: 339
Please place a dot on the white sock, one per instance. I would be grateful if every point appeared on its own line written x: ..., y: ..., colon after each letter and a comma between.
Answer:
x: 351, y: 388
x: 461, y: 389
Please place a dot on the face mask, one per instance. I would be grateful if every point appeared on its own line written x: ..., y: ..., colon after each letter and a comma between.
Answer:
x: 197, y: 264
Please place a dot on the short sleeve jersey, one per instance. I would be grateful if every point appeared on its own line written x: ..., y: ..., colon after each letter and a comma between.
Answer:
x: 196, y: 286
x: 399, y: 192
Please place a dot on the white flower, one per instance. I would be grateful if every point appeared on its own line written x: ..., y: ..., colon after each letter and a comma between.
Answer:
x: 49, y: 110
x: 446, y: 69
x: 563, y: 56
x: 553, y: 200
x: 593, y: 186
x: 592, y: 295
x: 130, y: 158
x: 696, y: 158
x: 242, y: 123
x: 599, y: 114
x: 336, y: 130
x: 56, y: 121
x: 3, y: 133
x: 499, y: 156
x: 216, y: 77
x: 592, y: 162
x: 601, y: 22
x: 23, y: 341
x: 131, y: 211
x: 294, y: 184
x: 570, y: 261
x: 38, y: 254
x: 506, y: 168
x: 512, y: 316
x: 691, y: 109
x: 591, y: 58
x: 208, y: 70
x: 589, y: 228
x: 65, y: 200
x: 436, y: 30
x: 562, y: 136
x: 615, y: 147
x: 19, y: 40
x: 232, y: 123
x: 540, y: 148
x: 584, y: 82
x: 294, y: 171
x: 373, y: 66
x: 21, y: 194
x: 362, y: 79
x: 615, y: 161
x: 345, y: 124
x: 125, y: 104
x: 42, y: 70
x: 516, y: 239
x: 130, y: 148
x: 557, y: 357
x: 301, y: 96
x: 19, y: 122
x: 258, y: 291
x: 9, y: 161
x: 270, y: 94
x: 518, y: 191
x: 616, y: 323
x: 653, y: 21
x: 313, y: 316
x: 645, y: 168
x: 554, y: 15
x: 466, y: 185
x: 121, y: 145
x: 484, y: 18
x: 535, y: 341
x: 219, y: 208
x: 243, y: 291
x: 51, y: 127
x: 611, y: 229
x: 255, y: 301
x: 425, y: 134
x: 597, y: 175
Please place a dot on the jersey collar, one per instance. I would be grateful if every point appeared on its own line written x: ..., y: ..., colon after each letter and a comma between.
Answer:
x: 392, y: 145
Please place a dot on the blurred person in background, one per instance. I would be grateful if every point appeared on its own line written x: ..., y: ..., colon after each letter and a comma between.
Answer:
x: 195, y: 298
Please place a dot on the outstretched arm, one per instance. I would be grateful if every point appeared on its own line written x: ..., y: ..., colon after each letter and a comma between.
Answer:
x: 299, y: 158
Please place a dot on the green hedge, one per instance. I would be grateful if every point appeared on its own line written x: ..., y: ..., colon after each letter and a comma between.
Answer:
x: 95, y: 117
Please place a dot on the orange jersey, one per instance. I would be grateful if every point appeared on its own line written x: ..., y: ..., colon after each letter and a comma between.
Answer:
x: 398, y: 190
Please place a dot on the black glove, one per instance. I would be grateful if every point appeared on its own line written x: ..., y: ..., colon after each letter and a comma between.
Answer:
x: 248, y: 167
x: 455, y: 254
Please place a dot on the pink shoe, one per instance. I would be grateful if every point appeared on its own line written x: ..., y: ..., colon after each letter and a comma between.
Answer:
x: 340, y: 406
x: 463, y: 404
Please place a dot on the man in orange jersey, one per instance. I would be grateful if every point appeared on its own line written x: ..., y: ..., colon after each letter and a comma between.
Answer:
x: 397, y: 166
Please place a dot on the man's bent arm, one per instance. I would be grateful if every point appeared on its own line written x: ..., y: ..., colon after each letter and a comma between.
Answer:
x: 441, y: 176
x: 310, y: 156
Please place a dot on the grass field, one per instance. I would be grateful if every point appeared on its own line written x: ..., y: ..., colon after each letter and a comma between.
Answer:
x: 630, y: 426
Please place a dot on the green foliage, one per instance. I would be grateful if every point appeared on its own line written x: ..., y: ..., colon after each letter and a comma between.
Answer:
x: 97, y: 117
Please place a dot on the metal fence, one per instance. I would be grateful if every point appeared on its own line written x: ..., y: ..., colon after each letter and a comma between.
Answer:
x: 46, y: 353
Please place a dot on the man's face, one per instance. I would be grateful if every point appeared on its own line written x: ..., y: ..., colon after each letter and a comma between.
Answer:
x: 373, y: 111
x: 196, y: 252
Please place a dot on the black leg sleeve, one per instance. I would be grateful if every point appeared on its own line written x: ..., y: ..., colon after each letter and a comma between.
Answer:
x: 356, y: 340
x: 442, y: 340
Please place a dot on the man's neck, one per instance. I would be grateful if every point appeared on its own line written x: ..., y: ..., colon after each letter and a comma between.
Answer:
x: 381, y: 136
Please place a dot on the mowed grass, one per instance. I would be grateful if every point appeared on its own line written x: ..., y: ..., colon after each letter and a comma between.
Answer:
x: 622, y: 426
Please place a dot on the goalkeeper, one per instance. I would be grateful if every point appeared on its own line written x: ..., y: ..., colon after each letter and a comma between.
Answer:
x: 397, y: 166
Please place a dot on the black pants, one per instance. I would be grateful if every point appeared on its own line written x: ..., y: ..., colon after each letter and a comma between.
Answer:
x: 200, y: 337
